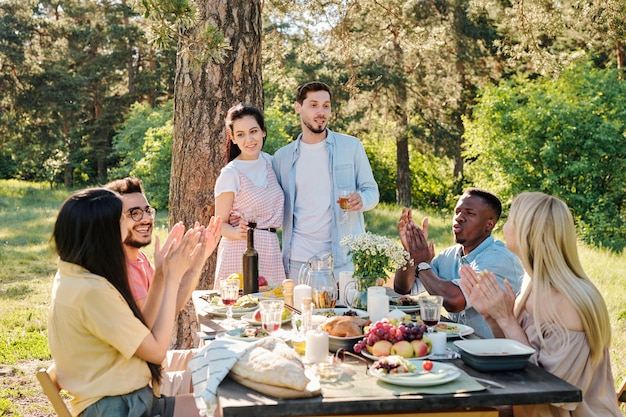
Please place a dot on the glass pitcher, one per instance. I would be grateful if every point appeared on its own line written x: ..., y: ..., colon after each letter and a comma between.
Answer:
x: 318, y: 274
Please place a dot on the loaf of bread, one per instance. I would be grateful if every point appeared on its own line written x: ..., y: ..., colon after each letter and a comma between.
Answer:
x: 272, y: 362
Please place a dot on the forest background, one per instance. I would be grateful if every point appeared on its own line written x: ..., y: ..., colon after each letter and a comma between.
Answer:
x: 444, y: 94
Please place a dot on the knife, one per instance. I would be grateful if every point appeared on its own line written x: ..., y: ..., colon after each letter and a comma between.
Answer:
x: 490, y: 382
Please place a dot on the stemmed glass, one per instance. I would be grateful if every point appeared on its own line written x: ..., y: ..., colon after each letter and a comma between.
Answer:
x: 344, y: 195
x: 430, y: 310
x: 250, y: 217
x: 229, y: 292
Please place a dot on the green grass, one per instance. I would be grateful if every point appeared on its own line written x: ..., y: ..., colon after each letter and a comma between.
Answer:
x: 27, y: 267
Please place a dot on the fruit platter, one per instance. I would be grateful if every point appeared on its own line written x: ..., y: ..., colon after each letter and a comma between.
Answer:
x: 394, y: 337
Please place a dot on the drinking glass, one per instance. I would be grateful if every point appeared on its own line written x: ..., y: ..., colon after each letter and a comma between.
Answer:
x: 344, y: 195
x: 229, y: 292
x: 271, y: 314
x: 250, y: 217
x: 430, y: 310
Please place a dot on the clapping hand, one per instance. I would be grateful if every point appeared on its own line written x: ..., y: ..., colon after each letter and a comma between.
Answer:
x: 208, y: 240
x: 486, y: 295
x: 414, y: 239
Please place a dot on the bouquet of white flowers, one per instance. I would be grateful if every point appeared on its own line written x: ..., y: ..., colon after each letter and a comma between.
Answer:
x: 373, y: 256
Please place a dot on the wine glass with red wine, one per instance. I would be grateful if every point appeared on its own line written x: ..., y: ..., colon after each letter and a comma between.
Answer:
x: 430, y: 310
x: 229, y: 293
x: 249, y: 216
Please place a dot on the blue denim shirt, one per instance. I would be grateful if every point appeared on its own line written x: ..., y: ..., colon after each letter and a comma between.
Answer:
x: 491, y: 255
x: 349, y: 167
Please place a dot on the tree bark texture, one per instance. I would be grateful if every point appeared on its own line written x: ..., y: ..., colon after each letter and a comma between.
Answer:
x: 403, y: 180
x: 201, y: 99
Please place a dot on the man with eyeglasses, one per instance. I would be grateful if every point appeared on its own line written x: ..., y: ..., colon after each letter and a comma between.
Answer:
x: 138, y: 218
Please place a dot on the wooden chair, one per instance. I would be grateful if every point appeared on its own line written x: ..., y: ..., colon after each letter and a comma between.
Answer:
x: 621, y: 392
x: 48, y: 380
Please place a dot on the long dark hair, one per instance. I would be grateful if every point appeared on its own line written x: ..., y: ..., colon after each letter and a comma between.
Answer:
x: 238, y: 111
x: 87, y: 233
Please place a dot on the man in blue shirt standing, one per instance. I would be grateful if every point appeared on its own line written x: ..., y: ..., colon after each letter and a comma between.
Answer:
x: 475, y: 217
x: 311, y: 171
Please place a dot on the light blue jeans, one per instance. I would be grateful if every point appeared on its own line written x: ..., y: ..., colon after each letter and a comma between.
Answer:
x: 140, y: 403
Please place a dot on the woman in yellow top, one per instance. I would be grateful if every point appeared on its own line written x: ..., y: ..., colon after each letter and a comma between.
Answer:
x: 559, y: 312
x: 105, y: 354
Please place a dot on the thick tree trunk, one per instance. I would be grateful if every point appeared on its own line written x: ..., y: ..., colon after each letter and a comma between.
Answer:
x: 202, y: 97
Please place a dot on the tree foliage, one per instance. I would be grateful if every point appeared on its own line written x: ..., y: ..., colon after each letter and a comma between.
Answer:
x: 143, y: 148
x: 70, y: 70
x: 563, y: 136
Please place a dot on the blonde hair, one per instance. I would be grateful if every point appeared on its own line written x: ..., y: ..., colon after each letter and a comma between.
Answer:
x: 546, y: 239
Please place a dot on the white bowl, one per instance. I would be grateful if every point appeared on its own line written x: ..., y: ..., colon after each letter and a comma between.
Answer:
x: 494, y: 354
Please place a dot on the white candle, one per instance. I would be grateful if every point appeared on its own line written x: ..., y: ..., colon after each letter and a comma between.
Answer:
x: 316, y: 346
x: 371, y: 291
x: 300, y: 292
x: 439, y: 341
x: 378, y: 307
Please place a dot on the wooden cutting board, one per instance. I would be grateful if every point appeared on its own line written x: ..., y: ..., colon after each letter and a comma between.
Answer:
x: 312, y: 389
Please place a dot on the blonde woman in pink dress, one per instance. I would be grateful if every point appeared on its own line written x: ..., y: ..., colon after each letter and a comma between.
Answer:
x: 248, y: 183
x: 559, y: 312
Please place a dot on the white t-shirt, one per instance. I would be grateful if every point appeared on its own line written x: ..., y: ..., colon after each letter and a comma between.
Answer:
x: 256, y: 170
x: 312, y: 215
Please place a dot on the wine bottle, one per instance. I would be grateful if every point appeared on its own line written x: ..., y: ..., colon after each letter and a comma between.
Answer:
x: 250, y: 266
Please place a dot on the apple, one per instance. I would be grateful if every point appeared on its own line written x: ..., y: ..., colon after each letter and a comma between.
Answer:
x: 402, y: 348
x: 420, y: 347
x: 262, y: 281
x: 428, y: 342
x: 257, y: 315
x: 382, y: 348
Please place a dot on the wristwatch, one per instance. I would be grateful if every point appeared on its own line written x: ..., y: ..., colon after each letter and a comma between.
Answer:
x: 422, y: 266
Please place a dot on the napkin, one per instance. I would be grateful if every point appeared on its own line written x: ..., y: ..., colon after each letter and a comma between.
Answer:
x: 209, y: 368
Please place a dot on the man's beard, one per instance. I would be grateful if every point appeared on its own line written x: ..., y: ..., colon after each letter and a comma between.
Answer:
x: 134, y: 243
x: 314, y: 129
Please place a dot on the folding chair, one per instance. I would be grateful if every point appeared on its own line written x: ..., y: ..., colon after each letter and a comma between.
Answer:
x: 48, y: 380
x: 621, y: 392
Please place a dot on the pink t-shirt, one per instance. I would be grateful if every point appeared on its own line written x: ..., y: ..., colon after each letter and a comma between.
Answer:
x: 140, y: 273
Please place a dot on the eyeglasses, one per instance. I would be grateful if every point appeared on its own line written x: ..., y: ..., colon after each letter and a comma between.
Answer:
x: 136, y: 213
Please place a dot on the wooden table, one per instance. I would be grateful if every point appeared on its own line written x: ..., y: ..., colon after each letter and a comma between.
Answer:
x: 532, y: 385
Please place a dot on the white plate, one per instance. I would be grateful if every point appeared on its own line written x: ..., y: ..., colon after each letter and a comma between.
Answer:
x: 454, y: 330
x: 406, y: 309
x: 375, y: 358
x: 262, y: 296
x: 249, y: 318
x: 220, y: 311
x: 421, y: 378
x: 237, y: 335
x: 339, y: 311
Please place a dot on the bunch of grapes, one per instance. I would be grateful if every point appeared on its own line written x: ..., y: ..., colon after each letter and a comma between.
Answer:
x: 386, y: 330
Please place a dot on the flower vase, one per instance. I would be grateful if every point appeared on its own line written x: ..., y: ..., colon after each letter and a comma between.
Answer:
x: 359, y: 301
